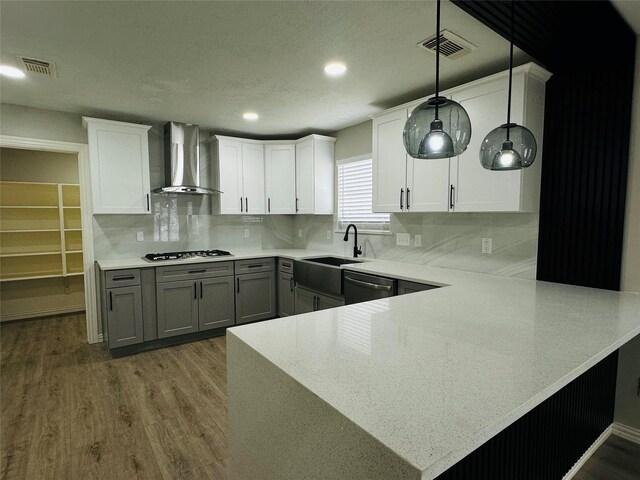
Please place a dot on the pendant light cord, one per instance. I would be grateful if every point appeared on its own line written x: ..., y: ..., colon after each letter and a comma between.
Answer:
x: 437, y: 55
x: 510, y: 72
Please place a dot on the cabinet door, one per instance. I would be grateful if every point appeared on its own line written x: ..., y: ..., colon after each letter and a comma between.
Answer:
x: 216, y: 307
x: 177, y: 304
x: 304, y: 177
x: 324, y: 302
x: 255, y: 297
x: 119, y: 160
x: 124, y: 316
x: 230, y: 170
x: 253, y: 178
x: 286, y: 295
x: 305, y: 300
x: 280, y: 178
x: 389, y: 162
x: 427, y: 185
x: 405, y: 287
x: 477, y: 189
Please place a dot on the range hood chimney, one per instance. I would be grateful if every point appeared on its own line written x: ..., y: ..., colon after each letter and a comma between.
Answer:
x: 182, y: 160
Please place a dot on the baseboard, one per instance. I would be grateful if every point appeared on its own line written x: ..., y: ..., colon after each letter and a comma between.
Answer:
x: 626, y: 432
x: 42, y: 313
x: 594, y: 446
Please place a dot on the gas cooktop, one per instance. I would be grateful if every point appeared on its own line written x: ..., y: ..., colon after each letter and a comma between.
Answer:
x: 156, y: 257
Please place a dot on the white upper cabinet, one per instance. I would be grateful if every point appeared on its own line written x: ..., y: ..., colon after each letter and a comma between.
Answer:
x: 402, y: 183
x: 253, y: 178
x: 389, y: 162
x: 315, y: 169
x: 239, y: 174
x: 280, y: 178
x: 119, y: 164
x: 460, y: 184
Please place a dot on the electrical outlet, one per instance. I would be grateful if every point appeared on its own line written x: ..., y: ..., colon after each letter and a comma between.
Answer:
x: 140, y: 236
x: 487, y: 245
x: 246, y: 233
x: 299, y: 233
x: 189, y: 208
x: 417, y: 240
x: 328, y: 234
x: 403, y: 239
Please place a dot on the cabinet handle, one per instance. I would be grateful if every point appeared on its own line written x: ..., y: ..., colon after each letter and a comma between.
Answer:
x: 241, y: 205
x: 195, y: 290
x: 451, y: 192
x: 315, y: 303
x: 269, y: 205
x: 200, y: 289
x: 408, y: 192
x: 110, y: 302
x: 291, y: 284
x: 118, y: 278
x: 148, y: 203
x: 246, y: 204
x: 202, y: 270
x: 238, y: 284
x: 296, y: 204
x: 401, y: 197
x: 256, y: 265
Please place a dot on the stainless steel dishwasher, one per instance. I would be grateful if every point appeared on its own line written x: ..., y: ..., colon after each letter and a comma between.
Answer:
x: 360, y: 287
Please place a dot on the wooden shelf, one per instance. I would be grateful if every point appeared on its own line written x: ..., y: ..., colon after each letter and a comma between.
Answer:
x: 28, y: 254
x: 40, y: 231
x: 26, y: 206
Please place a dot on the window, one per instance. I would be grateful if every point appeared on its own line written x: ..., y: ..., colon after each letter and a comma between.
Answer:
x: 355, y: 196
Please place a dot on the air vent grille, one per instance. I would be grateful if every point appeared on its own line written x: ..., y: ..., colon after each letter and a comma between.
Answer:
x: 451, y: 45
x: 41, y: 67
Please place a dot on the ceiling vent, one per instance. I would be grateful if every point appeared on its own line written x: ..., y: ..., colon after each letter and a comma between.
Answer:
x: 41, y: 67
x: 451, y: 45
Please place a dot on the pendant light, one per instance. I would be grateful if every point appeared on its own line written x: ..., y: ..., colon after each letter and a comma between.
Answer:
x: 439, y: 127
x: 509, y: 146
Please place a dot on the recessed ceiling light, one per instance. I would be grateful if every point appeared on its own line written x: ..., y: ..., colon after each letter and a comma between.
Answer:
x: 335, y: 69
x: 250, y: 116
x: 12, y: 72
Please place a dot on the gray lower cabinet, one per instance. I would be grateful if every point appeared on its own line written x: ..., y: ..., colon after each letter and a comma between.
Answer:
x: 286, y: 295
x: 124, y: 316
x: 310, y: 301
x: 177, y: 304
x: 405, y: 287
x: 255, y: 297
x: 216, y: 306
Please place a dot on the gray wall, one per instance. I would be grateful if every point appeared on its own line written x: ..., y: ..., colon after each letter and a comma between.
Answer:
x: 354, y: 141
x: 627, y: 399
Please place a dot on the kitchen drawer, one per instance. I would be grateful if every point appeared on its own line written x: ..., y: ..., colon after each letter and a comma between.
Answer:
x: 255, y: 266
x: 122, y: 278
x: 285, y: 265
x: 193, y: 271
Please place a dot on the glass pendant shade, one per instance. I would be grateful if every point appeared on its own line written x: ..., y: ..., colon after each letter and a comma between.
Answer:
x: 428, y: 137
x: 508, y: 147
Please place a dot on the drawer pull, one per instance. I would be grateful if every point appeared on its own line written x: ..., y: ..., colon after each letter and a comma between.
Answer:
x: 123, y: 277
x: 202, y: 270
x: 256, y: 265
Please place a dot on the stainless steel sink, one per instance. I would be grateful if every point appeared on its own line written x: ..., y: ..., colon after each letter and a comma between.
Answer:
x: 333, y: 261
x: 322, y: 274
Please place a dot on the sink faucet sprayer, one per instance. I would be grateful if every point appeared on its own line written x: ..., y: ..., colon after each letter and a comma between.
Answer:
x: 356, y: 250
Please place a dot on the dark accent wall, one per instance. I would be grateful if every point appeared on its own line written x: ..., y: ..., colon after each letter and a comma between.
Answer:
x: 591, y: 52
x: 546, y: 442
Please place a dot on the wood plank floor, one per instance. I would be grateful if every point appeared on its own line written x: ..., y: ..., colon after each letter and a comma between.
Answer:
x: 70, y: 411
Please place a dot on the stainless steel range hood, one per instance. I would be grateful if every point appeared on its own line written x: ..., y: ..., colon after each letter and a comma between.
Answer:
x: 182, y: 160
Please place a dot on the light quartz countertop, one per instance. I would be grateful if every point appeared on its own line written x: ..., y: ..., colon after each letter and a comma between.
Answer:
x: 140, y: 262
x: 433, y: 375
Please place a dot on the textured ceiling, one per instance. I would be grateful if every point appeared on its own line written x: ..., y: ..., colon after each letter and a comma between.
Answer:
x: 630, y: 11
x: 208, y: 62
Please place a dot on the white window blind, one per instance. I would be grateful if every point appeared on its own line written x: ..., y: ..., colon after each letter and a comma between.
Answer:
x: 355, y: 195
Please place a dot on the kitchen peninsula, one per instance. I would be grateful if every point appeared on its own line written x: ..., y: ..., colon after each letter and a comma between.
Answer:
x: 407, y: 387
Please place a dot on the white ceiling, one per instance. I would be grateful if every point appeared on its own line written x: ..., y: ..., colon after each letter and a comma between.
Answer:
x: 208, y: 62
x: 630, y: 11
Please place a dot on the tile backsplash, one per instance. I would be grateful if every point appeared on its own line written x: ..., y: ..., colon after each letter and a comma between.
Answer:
x: 449, y: 240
